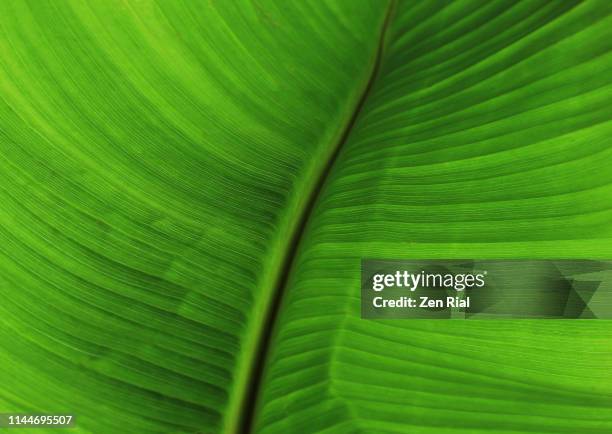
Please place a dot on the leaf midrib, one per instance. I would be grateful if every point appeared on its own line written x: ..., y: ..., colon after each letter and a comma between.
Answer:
x: 240, y: 415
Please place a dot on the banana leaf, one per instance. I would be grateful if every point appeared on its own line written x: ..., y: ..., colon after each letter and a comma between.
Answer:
x: 187, y: 189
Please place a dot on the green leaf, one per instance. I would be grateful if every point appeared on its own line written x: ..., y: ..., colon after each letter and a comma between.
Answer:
x: 188, y: 187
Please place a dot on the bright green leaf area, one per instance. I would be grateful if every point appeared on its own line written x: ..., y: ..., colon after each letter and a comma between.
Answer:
x: 157, y: 159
